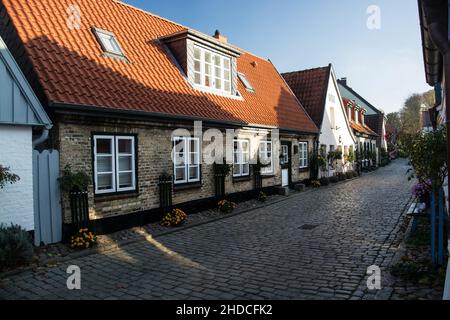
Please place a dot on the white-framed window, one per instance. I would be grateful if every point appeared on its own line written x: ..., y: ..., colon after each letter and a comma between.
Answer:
x: 266, y: 156
x: 186, y: 160
x: 332, y: 118
x: 241, y: 158
x: 108, y: 41
x: 212, y: 70
x: 114, y: 163
x: 303, y: 154
x: 245, y: 82
x: 284, y: 154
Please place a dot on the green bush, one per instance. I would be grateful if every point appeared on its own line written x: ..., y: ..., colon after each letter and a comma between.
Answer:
x: 15, y: 246
x: 349, y: 175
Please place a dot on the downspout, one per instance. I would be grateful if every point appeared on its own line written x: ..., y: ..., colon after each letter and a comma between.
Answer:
x: 42, y: 138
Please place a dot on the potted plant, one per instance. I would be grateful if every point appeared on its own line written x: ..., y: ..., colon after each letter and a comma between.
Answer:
x: 226, y: 206
x: 174, y: 218
x: 75, y: 185
x: 421, y: 190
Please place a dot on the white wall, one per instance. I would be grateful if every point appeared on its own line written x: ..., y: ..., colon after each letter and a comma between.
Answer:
x: 330, y: 136
x: 16, y: 200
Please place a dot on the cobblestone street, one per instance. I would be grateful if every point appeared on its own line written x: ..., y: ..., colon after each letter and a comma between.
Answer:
x: 313, y: 245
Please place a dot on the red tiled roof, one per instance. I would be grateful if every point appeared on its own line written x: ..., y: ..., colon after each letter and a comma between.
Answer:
x: 310, y: 87
x: 364, y: 129
x: 72, y: 70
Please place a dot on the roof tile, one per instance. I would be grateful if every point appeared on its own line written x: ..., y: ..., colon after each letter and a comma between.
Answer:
x: 72, y: 70
x: 310, y: 87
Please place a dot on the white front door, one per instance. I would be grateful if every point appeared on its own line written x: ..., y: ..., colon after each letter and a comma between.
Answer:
x: 285, y: 165
x: 284, y: 177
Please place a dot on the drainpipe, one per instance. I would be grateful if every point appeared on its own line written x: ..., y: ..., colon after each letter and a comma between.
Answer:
x: 42, y: 138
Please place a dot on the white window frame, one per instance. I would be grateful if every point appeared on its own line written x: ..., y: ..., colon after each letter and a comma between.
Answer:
x: 240, y: 161
x: 187, y: 159
x: 284, y: 154
x: 103, y: 36
x: 133, y: 162
x: 245, y: 82
x: 114, y: 140
x: 303, y: 154
x: 266, y: 170
x: 213, y: 75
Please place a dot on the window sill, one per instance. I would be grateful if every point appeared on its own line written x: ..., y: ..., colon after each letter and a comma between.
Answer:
x: 306, y: 169
x: 268, y: 176
x: 187, y: 186
x: 242, y: 179
x: 115, y: 196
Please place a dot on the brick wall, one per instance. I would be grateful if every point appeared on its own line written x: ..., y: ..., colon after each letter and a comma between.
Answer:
x: 73, y: 137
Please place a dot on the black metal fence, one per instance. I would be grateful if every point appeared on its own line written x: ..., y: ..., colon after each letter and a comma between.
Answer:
x: 258, y: 181
x: 219, y: 182
x: 80, y: 210
x: 165, y: 193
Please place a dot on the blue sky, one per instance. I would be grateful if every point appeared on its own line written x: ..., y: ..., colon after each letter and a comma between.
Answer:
x: 384, y: 65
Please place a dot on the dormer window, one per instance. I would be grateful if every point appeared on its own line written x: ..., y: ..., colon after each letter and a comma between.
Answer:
x: 108, y: 42
x: 212, y: 70
x: 245, y: 82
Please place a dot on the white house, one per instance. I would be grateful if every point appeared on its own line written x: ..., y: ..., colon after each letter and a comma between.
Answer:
x: 375, y: 119
x: 20, y: 114
x: 318, y: 91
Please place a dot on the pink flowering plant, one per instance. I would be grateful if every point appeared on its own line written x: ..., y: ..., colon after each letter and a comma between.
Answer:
x: 422, y: 189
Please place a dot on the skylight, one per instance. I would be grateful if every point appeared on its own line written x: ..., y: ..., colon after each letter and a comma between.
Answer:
x: 245, y: 82
x: 109, y: 42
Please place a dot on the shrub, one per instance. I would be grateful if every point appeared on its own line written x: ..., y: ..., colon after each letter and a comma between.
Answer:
x: 226, y: 206
x: 349, y: 175
x: 7, y: 177
x: 73, y: 182
x: 15, y: 246
x: 174, y: 218
x: 262, y: 196
x: 83, y: 239
x: 315, y: 184
x: 334, y: 179
x: 324, y: 181
x: 341, y: 176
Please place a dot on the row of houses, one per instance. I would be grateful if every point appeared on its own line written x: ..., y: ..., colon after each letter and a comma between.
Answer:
x: 108, y: 91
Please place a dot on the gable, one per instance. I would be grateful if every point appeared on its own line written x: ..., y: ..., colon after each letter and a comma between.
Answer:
x: 340, y: 109
x: 18, y: 103
x: 310, y: 86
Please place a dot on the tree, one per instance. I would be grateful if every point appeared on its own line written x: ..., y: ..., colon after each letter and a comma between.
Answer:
x: 393, y: 120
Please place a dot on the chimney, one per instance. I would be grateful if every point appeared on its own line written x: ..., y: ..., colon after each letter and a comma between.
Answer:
x: 220, y: 37
x: 344, y: 81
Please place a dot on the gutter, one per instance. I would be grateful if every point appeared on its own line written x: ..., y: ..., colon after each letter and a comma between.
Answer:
x: 102, y: 112
x: 42, y: 138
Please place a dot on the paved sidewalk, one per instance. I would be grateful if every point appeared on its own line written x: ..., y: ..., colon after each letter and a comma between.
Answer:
x: 315, y: 245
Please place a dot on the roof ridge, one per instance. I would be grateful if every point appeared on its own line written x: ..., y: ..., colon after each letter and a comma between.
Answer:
x: 305, y: 70
x: 186, y: 27
x: 149, y: 13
